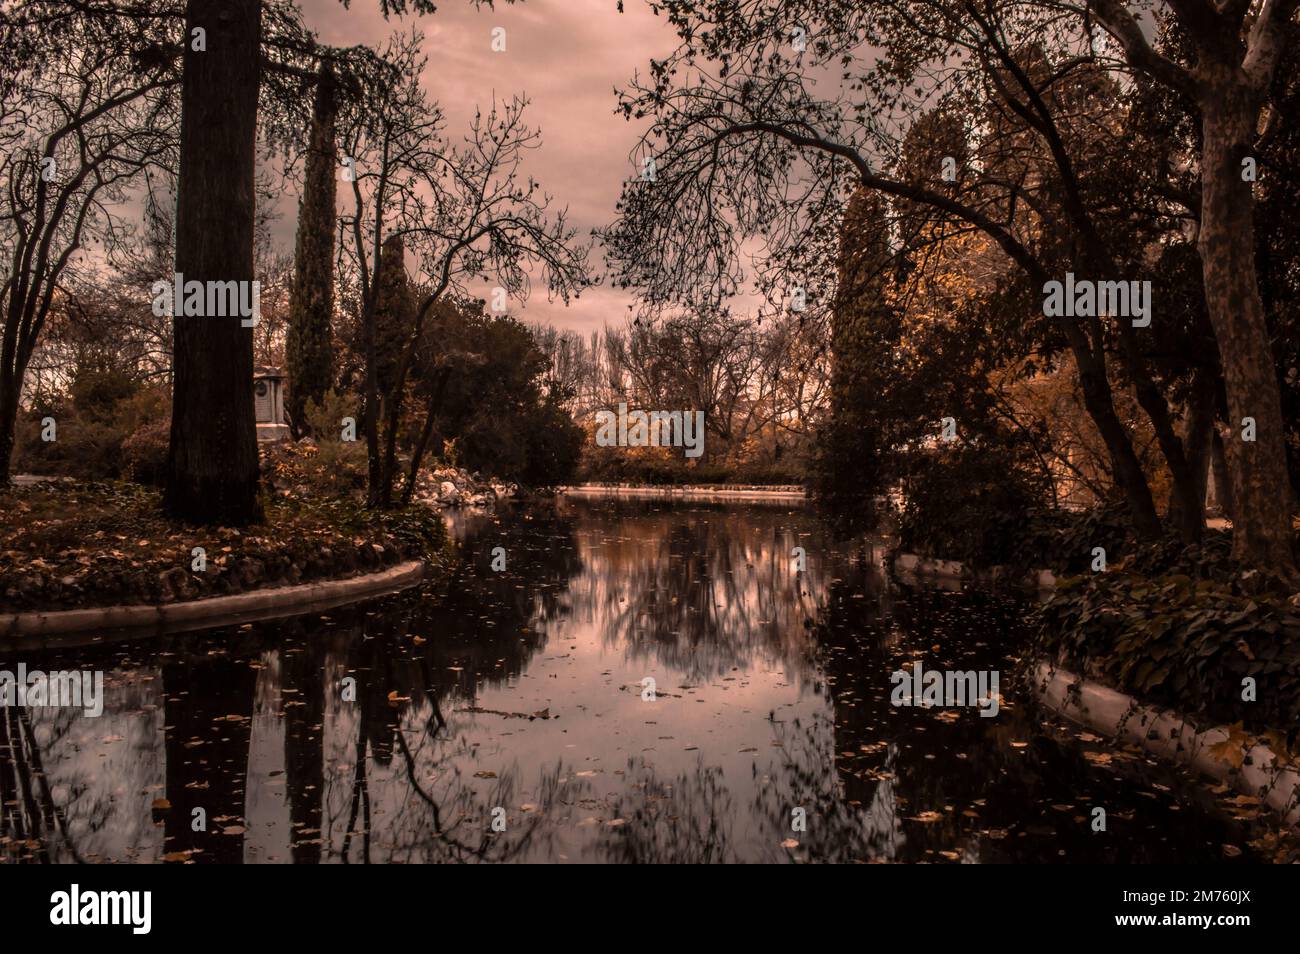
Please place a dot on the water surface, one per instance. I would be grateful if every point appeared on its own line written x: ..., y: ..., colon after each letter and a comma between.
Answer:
x: 412, y: 729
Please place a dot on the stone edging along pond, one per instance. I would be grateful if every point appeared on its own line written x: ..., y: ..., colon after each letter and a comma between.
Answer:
x: 1170, y: 736
x: 952, y: 570
x: 268, y: 603
x: 779, y: 493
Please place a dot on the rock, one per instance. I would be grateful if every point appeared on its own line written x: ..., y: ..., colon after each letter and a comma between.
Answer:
x: 250, y: 572
x: 174, y: 584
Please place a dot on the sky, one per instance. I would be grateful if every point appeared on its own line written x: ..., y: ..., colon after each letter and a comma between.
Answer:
x: 567, y: 57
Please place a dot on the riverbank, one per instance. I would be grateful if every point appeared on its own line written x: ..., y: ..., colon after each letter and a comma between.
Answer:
x: 1223, y: 753
x: 73, y: 546
x: 65, y: 628
x: 782, y: 493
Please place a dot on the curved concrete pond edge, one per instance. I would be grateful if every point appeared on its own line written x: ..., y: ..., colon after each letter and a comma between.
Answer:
x: 953, y: 570
x: 1169, y: 736
x: 782, y: 494
x: 36, y: 628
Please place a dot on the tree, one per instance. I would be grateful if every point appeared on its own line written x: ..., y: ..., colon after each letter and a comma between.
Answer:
x: 76, y: 130
x: 212, y: 466
x: 752, y: 150
x: 849, y: 471
x: 212, y: 460
x: 746, y: 145
x: 1230, y: 82
x: 309, y: 348
x: 462, y: 213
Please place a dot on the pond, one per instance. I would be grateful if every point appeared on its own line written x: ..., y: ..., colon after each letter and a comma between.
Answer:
x: 507, y: 715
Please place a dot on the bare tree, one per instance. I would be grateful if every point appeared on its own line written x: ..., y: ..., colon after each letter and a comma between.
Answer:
x: 463, y: 213
x: 75, y: 131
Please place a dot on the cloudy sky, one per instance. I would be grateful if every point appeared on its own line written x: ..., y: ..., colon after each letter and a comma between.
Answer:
x: 567, y: 56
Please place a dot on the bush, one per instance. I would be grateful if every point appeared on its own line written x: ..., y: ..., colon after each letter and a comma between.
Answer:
x: 970, y: 503
x: 1181, y: 627
x: 553, y: 446
x: 144, y: 454
x: 324, y: 419
x: 331, y: 468
x: 93, y: 425
x: 1063, y: 540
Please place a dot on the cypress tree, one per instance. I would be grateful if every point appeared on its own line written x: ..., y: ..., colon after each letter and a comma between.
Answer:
x: 309, y: 349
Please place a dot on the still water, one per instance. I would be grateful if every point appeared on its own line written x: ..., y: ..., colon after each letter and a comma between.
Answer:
x: 415, y: 728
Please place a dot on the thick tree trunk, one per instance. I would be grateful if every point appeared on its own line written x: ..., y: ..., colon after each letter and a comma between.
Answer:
x: 212, y: 466
x: 1261, y: 491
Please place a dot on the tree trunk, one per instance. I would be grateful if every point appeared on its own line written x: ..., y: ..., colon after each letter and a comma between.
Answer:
x: 1129, y: 476
x: 1200, y: 430
x: 1187, y: 505
x: 212, y: 467
x: 8, y: 419
x: 426, y: 433
x: 1261, y: 491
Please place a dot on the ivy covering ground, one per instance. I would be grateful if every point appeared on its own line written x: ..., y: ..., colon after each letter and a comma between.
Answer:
x: 1183, y: 627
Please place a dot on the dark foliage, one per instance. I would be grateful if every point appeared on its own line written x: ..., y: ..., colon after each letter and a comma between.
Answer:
x: 1182, y: 627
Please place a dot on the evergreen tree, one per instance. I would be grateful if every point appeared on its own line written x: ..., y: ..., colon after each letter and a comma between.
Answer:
x: 309, y: 351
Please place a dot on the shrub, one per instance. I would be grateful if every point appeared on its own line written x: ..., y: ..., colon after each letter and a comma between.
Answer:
x: 970, y: 503
x: 94, y: 424
x: 324, y: 419
x: 144, y: 454
x: 1181, y: 627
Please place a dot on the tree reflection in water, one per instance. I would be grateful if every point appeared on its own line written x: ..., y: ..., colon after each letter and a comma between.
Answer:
x: 521, y: 691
